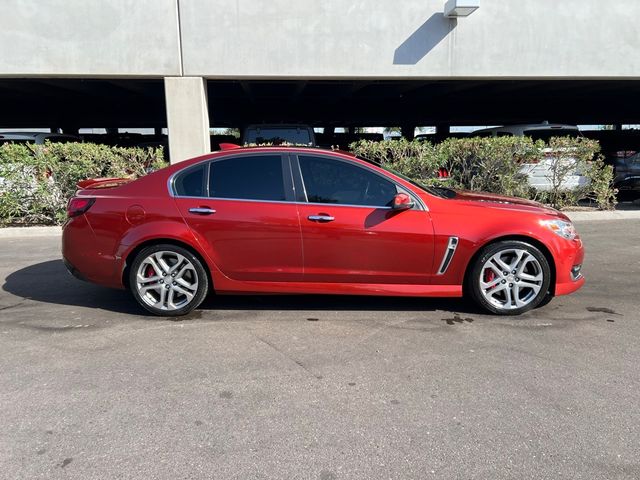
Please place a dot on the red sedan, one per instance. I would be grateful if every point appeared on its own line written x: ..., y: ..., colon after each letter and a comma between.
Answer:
x: 295, y: 220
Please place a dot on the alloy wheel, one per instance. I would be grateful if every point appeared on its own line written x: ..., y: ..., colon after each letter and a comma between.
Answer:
x: 166, y: 280
x: 511, y: 279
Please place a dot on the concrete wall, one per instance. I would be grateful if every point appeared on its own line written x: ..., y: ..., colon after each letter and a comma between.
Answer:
x: 313, y: 38
x: 411, y: 38
x: 89, y: 38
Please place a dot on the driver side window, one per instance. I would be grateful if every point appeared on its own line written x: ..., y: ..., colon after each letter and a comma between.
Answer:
x: 333, y: 181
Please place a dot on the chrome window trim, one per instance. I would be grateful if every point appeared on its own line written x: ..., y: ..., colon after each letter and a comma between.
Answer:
x: 220, y: 199
x: 208, y: 161
x: 170, y: 181
x: 450, y: 251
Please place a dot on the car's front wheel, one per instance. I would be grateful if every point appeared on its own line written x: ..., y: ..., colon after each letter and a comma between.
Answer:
x: 509, y: 278
x: 168, y: 280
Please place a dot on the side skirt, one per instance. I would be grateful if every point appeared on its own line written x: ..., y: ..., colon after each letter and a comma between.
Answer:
x: 381, y: 289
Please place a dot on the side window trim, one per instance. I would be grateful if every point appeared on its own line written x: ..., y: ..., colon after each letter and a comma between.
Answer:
x: 297, y: 171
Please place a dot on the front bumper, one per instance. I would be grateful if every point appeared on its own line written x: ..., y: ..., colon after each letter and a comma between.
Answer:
x: 569, y: 261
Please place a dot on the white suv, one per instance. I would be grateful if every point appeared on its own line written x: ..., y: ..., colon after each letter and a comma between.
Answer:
x: 540, y: 175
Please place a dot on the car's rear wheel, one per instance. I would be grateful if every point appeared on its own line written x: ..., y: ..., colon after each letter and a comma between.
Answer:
x: 509, y: 278
x: 168, y: 280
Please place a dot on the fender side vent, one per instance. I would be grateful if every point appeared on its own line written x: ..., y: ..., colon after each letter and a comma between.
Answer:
x: 448, y: 255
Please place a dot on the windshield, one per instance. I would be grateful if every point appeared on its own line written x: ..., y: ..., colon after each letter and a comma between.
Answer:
x: 441, y: 192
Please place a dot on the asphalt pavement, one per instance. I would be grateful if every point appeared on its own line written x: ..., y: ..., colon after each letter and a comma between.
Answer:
x: 324, y: 388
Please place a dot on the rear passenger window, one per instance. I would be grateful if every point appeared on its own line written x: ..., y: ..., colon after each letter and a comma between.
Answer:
x: 190, y: 183
x: 255, y: 177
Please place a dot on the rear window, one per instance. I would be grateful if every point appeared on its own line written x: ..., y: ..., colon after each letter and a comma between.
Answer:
x: 277, y: 136
x: 190, y: 183
x: 255, y: 177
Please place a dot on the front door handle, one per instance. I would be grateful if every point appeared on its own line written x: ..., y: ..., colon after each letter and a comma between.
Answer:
x: 202, y: 210
x: 321, y: 218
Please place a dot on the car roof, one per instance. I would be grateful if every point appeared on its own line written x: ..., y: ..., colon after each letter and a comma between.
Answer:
x: 231, y: 152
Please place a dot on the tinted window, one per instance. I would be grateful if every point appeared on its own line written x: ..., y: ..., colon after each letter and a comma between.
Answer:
x: 277, y: 136
x: 256, y: 177
x: 190, y: 183
x: 634, y: 161
x: 481, y: 134
x: 333, y: 181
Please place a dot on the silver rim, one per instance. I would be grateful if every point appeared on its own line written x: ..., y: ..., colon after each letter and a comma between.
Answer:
x: 166, y: 280
x: 511, y: 279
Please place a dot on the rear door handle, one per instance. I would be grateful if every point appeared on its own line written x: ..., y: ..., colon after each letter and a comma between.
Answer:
x: 321, y: 218
x: 202, y: 210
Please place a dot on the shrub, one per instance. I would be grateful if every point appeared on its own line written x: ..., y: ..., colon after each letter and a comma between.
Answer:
x: 416, y: 160
x: 36, y: 181
x: 494, y: 164
x: 577, y: 156
x: 489, y: 164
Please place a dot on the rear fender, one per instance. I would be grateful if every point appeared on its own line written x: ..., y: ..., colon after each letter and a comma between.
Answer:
x: 174, y: 231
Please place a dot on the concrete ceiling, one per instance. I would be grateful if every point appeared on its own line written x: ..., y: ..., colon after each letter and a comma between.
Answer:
x: 140, y: 103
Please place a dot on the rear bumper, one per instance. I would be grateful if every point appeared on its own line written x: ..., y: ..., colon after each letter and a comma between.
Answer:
x: 73, y: 270
x: 83, y: 258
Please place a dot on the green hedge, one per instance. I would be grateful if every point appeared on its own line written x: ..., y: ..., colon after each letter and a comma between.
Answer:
x: 493, y: 165
x: 36, y: 181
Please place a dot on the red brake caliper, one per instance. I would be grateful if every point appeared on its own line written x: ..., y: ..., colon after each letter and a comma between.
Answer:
x: 489, y: 275
x: 149, y: 272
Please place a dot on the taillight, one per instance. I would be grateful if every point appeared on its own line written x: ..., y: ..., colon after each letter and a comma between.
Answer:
x: 79, y: 205
x: 443, y: 173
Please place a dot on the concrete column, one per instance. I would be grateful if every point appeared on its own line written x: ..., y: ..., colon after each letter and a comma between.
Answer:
x: 187, y: 117
x: 408, y: 131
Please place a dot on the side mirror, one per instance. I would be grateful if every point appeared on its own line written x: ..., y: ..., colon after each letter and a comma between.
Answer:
x: 401, y: 201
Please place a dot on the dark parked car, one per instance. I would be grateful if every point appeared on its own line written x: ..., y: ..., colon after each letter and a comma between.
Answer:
x: 627, y: 176
x: 276, y: 134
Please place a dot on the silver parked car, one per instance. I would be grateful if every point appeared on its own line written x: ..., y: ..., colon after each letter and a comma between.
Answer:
x: 36, y: 137
x: 540, y: 175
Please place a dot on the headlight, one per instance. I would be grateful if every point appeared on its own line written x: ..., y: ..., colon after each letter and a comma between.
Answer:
x: 561, y: 227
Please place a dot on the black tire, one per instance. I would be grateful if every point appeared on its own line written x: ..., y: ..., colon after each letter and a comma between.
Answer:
x: 535, y: 299
x: 197, y: 273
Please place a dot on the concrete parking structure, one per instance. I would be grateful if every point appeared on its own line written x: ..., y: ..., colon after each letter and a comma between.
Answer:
x: 191, y: 65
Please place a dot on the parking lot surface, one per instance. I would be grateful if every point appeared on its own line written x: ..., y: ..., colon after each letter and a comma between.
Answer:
x: 319, y: 387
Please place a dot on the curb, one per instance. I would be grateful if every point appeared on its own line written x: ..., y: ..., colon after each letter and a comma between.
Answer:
x: 22, y: 232
x: 601, y: 216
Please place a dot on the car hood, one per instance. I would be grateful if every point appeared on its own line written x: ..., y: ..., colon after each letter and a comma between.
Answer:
x: 504, y: 202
